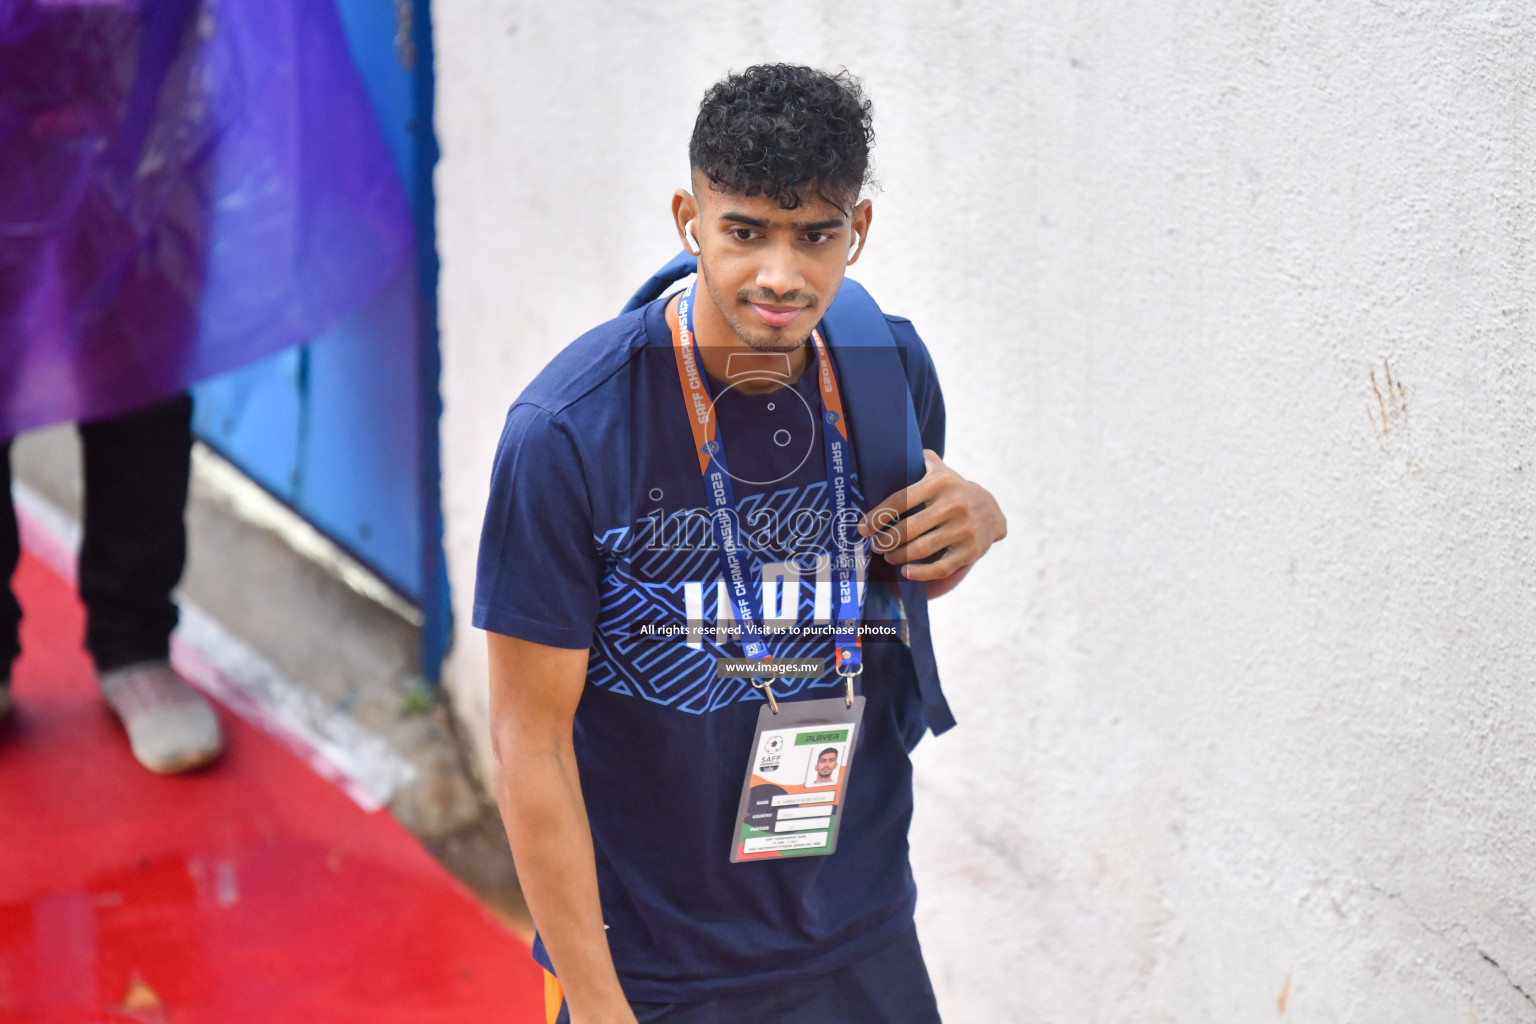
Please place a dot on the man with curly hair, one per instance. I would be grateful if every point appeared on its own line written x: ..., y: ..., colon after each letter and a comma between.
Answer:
x: 621, y: 722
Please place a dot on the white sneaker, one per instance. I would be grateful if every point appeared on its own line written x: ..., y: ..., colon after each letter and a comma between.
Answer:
x: 171, y: 727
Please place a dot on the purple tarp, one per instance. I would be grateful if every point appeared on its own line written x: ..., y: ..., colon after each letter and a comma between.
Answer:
x: 185, y: 185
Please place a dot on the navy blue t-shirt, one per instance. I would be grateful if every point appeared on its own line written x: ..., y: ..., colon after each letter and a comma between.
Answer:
x: 596, y: 537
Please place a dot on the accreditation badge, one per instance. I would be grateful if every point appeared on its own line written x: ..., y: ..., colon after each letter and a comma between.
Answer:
x: 797, y: 775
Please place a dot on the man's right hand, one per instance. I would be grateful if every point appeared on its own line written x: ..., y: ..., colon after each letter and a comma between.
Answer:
x: 534, y: 693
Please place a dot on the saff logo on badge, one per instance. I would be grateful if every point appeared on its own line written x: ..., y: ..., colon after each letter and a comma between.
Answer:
x: 773, y: 745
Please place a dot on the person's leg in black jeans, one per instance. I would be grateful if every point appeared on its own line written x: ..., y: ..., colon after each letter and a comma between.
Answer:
x: 10, y: 555
x: 137, y: 470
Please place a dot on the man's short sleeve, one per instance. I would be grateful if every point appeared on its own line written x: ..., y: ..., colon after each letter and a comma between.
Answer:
x: 923, y: 381
x: 539, y: 568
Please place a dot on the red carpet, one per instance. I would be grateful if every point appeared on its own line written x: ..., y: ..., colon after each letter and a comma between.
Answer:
x: 251, y: 892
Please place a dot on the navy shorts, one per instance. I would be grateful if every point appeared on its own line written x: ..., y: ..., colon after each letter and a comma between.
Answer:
x: 890, y: 987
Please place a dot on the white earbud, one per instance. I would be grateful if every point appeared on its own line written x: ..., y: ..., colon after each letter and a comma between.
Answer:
x: 697, y: 249
x: 854, y: 249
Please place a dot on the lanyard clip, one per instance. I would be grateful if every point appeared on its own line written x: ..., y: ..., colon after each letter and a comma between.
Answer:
x: 849, y: 665
x: 766, y: 685
x: 848, y: 678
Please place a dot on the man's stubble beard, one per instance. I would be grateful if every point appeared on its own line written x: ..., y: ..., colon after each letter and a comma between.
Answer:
x: 770, y: 340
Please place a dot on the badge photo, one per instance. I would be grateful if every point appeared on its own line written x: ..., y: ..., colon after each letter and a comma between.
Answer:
x: 826, y: 766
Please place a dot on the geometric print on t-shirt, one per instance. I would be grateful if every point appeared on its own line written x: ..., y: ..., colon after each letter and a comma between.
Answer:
x: 647, y: 583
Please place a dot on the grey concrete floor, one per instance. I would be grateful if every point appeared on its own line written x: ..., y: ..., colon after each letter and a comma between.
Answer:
x: 355, y: 654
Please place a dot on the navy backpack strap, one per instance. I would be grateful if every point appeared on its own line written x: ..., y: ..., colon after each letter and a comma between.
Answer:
x: 889, y: 447
x: 680, y: 266
x: 887, y: 441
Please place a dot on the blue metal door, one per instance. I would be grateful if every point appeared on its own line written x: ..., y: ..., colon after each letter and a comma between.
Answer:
x: 344, y: 429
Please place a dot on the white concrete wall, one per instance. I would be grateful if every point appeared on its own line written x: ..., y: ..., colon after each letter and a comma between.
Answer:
x: 1248, y: 729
